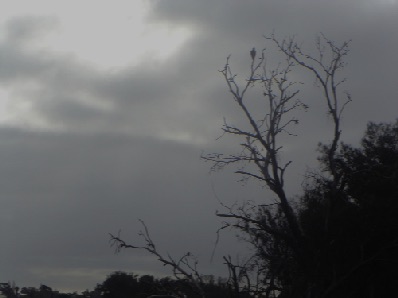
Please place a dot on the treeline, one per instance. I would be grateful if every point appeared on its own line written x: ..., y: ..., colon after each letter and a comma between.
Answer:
x: 129, y: 285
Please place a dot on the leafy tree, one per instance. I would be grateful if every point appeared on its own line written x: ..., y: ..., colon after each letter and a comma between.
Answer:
x: 9, y: 290
x: 371, y: 186
x: 119, y: 285
x: 353, y: 241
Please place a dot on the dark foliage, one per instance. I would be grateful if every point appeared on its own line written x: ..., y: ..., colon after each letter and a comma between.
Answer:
x: 351, y: 233
x: 121, y: 284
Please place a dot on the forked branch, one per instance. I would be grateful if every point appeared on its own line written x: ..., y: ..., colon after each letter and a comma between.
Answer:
x: 183, y: 268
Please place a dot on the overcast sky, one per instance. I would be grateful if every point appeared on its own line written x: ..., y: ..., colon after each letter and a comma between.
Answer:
x: 106, y: 106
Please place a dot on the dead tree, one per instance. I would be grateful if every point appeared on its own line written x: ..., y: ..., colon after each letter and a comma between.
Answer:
x: 274, y: 229
x: 325, y: 66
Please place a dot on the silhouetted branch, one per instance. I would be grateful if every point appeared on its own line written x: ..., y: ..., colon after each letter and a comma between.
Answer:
x: 188, y: 261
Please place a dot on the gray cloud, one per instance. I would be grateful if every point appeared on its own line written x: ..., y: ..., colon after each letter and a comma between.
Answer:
x: 62, y: 194
x: 25, y: 29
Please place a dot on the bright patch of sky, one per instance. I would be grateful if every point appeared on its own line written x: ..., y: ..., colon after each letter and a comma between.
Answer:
x: 16, y: 111
x: 105, y: 33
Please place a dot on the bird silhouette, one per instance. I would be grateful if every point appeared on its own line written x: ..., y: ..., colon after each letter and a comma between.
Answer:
x: 253, y: 53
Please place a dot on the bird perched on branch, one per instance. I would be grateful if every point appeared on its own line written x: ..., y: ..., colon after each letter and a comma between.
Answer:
x: 253, y: 53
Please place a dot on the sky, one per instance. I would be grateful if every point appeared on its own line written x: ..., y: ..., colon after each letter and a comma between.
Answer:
x: 107, y: 106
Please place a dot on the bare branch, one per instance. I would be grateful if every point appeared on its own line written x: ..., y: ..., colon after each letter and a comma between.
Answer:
x: 326, y: 73
x: 188, y: 261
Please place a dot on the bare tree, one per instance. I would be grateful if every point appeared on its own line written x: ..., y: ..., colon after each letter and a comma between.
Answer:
x: 325, y: 67
x: 274, y: 229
